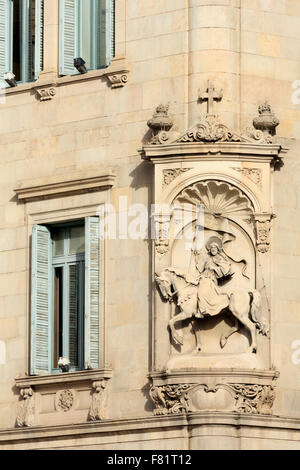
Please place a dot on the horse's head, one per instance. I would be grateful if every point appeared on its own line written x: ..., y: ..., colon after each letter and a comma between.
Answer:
x: 165, y: 285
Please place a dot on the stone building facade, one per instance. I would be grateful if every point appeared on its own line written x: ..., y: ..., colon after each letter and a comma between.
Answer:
x: 181, y: 345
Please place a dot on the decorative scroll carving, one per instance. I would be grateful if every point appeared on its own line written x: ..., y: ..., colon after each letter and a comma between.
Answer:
x: 254, y: 399
x: 117, y: 79
x: 263, y: 230
x: 25, y: 416
x: 65, y: 400
x: 99, y: 399
x: 45, y: 94
x: 170, y: 399
x: 210, y: 129
x: 254, y: 174
x: 178, y: 399
x: 160, y: 124
x: 171, y: 174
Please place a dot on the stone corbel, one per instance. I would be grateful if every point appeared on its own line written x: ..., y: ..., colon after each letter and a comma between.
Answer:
x: 25, y: 417
x: 99, y: 400
x: 117, y: 79
x: 45, y: 94
x: 263, y: 231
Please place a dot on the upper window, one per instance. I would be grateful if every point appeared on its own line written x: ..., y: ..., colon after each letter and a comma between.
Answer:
x: 86, y: 31
x: 21, y: 38
x: 65, y: 296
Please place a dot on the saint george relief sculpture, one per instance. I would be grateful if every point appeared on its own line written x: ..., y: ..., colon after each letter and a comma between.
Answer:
x: 212, y: 263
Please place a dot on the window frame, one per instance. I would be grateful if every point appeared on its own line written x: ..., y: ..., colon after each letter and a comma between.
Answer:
x: 65, y: 261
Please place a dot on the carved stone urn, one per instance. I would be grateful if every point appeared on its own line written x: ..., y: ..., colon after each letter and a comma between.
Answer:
x: 266, y: 121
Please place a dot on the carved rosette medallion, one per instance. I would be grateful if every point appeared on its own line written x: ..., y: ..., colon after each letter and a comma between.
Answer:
x: 99, y: 400
x: 45, y: 94
x: 65, y: 400
x: 245, y: 398
x: 25, y: 417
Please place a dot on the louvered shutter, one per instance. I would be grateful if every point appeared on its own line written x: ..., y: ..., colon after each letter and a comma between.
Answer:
x: 69, y: 36
x: 5, y: 39
x: 91, y: 318
x: 105, y: 40
x: 39, y: 38
x: 41, y: 294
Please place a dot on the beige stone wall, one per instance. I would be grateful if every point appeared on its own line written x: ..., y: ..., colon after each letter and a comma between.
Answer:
x: 250, y: 49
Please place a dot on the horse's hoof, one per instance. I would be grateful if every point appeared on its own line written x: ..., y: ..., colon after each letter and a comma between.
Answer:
x: 223, y: 342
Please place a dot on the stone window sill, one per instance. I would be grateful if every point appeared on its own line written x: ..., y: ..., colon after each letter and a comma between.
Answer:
x: 63, y: 378
x: 116, y: 74
x: 74, y: 397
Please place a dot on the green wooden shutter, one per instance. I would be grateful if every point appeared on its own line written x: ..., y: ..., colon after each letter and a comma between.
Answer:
x: 91, y: 322
x: 105, y: 32
x: 5, y: 39
x: 69, y: 37
x: 41, y: 294
x: 39, y: 38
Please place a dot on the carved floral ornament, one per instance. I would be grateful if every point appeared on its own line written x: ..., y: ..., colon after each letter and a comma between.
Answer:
x: 25, y: 417
x: 246, y: 398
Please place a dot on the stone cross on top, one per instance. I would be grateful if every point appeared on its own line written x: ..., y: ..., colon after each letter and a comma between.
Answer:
x: 210, y: 96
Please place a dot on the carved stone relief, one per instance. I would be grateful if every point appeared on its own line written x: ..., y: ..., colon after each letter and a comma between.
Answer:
x: 254, y: 174
x: 99, y: 401
x: 185, y: 398
x: 45, y: 94
x: 25, y: 417
x: 117, y: 80
x: 171, y: 174
x: 65, y: 400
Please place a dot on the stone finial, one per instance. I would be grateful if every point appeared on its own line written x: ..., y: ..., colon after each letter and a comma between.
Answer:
x: 160, y: 124
x: 266, y: 121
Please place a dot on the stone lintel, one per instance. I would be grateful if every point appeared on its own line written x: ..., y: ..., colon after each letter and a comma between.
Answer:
x: 58, y: 186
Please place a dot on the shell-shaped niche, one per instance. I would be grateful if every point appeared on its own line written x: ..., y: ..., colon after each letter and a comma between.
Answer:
x: 218, y: 198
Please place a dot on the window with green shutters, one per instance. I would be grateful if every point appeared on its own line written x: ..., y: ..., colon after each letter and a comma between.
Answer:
x: 87, y: 30
x: 21, y: 39
x: 65, y: 296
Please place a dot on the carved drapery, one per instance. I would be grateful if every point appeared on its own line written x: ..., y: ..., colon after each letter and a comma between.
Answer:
x: 25, y: 417
x: 99, y: 400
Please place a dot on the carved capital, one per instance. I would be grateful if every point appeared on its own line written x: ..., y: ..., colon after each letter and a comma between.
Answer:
x: 25, y: 417
x: 117, y: 79
x: 99, y: 400
x: 45, y: 94
x: 263, y: 230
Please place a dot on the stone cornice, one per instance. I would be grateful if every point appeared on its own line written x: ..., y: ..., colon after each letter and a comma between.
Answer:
x: 62, y: 185
x: 198, y: 151
x: 31, y: 436
x: 56, y: 379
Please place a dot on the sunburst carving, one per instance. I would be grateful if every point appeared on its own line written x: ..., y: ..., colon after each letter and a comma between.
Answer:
x: 218, y: 198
